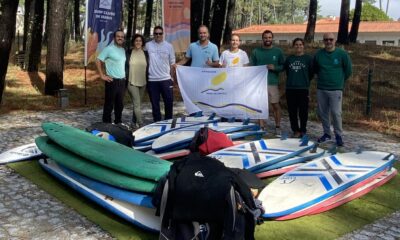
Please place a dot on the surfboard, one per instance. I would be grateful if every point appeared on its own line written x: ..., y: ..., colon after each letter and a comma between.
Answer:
x: 359, y: 192
x: 181, y: 138
x: 107, y: 153
x: 318, y: 180
x: 301, y: 158
x: 140, y: 216
x: 21, y: 153
x: 278, y: 171
x: 157, y: 129
x: 262, y: 153
x: 347, y: 195
x: 109, y: 190
x: 92, y: 170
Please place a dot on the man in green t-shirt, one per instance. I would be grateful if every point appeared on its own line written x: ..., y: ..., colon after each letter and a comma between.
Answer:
x: 274, y: 59
x: 333, y: 67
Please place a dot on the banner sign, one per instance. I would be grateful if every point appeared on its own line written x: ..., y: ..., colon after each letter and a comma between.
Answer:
x: 176, y: 19
x: 239, y: 92
x: 103, y: 18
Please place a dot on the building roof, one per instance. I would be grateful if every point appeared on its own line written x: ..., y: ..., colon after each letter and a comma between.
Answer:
x: 322, y: 26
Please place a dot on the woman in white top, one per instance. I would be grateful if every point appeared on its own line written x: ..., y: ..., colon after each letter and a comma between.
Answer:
x: 234, y: 57
x: 137, y: 69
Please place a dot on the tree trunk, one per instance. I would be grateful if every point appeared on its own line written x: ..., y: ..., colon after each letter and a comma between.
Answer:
x: 77, y: 21
x: 218, y: 20
x: 26, y: 23
x: 387, y: 7
x: 129, y: 25
x: 34, y: 36
x: 8, y: 13
x: 55, y: 46
x: 207, y: 10
x: 147, y: 23
x: 195, y: 18
x: 135, y: 19
x: 356, y: 22
x: 343, y: 34
x: 229, y: 21
x: 312, y: 19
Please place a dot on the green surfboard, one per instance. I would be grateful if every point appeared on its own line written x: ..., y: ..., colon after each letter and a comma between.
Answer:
x: 107, y: 153
x: 90, y: 169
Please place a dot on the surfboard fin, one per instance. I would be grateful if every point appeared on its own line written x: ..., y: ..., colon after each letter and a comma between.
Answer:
x: 304, y: 142
x: 389, y: 156
x: 314, y: 149
x: 332, y: 150
x: 212, y: 116
x: 359, y: 149
x: 284, y: 135
x: 232, y: 119
x: 246, y: 121
x: 197, y: 114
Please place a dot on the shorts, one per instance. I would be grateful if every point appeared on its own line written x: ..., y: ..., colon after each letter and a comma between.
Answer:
x: 273, y: 94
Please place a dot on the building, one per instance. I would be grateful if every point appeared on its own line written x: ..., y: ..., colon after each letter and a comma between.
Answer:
x: 376, y: 33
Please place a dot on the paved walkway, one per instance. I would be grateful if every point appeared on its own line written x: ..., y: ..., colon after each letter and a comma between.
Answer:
x: 26, y: 212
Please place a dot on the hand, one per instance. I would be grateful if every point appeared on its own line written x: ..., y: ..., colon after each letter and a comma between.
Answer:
x: 106, y: 78
x: 271, y: 67
x: 209, y: 63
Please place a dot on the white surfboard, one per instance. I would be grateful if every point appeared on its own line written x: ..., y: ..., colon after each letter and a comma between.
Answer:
x: 157, y: 129
x: 184, y: 136
x: 21, y: 153
x: 318, y: 180
x: 345, y: 196
x: 143, y: 217
x: 262, y: 153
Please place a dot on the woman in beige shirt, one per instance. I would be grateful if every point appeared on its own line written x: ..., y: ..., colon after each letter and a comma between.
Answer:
x: 137, y: 68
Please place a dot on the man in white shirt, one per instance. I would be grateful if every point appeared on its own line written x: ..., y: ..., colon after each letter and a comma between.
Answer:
x: 161, y: 57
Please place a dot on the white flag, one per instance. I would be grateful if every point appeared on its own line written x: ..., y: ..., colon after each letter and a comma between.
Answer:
x: 239, y: 92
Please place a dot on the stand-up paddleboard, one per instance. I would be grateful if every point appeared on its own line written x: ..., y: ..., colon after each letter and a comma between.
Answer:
x: 341, y: 196
x: 21, y: 153
x: 110, y: 191
x: 318, y: 180
x: 347, y: 195
x: 278, y: 171
x: 157, y: 129
x: 179, y: 153
x: 301, y: 158
x: 262, y: 153
x: 107, y: 153
x: 92, y: 170
x: 142, y: 217
x: 359, y: 192
x: 182, y: 138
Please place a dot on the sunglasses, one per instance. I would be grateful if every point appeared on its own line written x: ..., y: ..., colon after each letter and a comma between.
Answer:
x: 158, y: 33
x: 328, y: 39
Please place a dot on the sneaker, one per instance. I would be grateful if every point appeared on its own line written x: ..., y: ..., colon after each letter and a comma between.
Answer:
x: 339, y: 140
x: 278, y: 132
x: 324, y: 138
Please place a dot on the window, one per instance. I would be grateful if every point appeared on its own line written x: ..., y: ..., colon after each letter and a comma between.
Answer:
x: 370, y: 42
x: 388, y: 43
x: 282, y: 42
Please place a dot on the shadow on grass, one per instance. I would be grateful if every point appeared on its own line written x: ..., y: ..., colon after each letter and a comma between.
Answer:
x: 36, y: 81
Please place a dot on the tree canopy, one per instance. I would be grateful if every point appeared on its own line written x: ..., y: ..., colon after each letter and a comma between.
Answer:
x: 371, y: 13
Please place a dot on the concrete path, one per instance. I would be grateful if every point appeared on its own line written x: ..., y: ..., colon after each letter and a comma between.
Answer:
x: 26, y: 212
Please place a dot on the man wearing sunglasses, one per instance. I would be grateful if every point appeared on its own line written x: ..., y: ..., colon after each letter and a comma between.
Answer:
x: 161, y: 58
x: 333, y: 67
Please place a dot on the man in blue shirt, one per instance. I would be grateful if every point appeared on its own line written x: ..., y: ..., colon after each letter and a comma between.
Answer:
x: 112, y: 58
x: 203, y: 53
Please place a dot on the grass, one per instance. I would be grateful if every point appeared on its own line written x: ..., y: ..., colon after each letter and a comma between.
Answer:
x: 24, y: 91
x: 329, y: 225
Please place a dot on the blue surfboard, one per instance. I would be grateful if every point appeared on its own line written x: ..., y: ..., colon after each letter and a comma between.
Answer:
x: 110, y: 191
x: 140, y: 216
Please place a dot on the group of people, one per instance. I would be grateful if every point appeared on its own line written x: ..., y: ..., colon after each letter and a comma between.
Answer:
x: 153, y: 64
